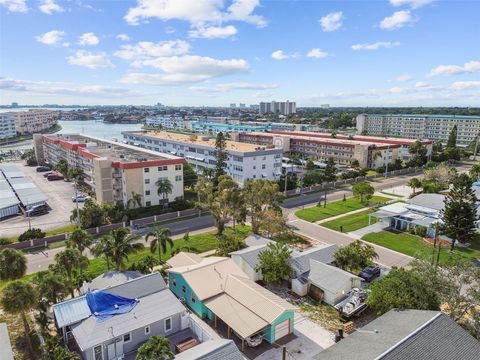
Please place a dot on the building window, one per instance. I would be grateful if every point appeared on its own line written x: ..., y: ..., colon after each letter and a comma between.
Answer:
x: 127, y: 338
x: 97, y: 352
x: 147, y: 330
x: 193, y: 300
x: 167, y: 324
x: 146, y: 170
x: 263, y: 166
x: 147, y: 192
x: 254, y: 167
x: 178, y: 177
x: 174, y: 282
x: 148, y: 203
x: 147, y: 181
x: 184, y: 289
x: 178, y: 167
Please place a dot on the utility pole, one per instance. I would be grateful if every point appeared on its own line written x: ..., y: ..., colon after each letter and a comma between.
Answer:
x: 386, y: 161
x: 476, y: 148
x: 325, y: 199
x: 286, y: 174
x: 76, y: 201
x: 284, y: 352
x: 29, y: 222
x: 435, y: 239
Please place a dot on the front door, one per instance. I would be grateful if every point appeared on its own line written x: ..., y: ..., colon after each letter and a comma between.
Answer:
x: 97, y: 353
x: 115, y: 350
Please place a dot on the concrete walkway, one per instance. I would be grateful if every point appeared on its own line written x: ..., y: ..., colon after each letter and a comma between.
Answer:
x: 378, y: 226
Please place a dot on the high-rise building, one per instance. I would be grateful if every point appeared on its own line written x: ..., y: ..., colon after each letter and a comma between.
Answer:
x: 284, y: 107
x: 14, y: 105
x: 242, y: 106
x: 7, y: 125
x: 233, y: 106
x: 431, y: 127
x: 114, y: 171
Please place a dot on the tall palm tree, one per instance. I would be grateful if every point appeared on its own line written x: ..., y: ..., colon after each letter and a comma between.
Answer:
x: 118, y: 244
x: 13, y: 264
x: 71, y: 263
x: 103, y: 249
x: 135, y: 200
x: 164, y: 187
x: 18, y: 298
x: 79, y: 239
x: 160, y: 241
x: 52, y: 287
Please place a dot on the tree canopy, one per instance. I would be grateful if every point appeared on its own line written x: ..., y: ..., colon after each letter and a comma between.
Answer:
x: 355, y: 256
x: 13, y: 264
x: 275, y: 263
x: 157, y: 347
x: 363, y: 191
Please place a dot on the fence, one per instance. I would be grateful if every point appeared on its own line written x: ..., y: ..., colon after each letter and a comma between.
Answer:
x: 100, y: 230
x: 334, y: 184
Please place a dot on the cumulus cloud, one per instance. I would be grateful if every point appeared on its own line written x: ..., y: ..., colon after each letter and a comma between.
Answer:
x: 90, y: 60
x: 414, y: 4
x: 88, y: 39
x: 376, y: 46
x: 123, y: 37
x: 51, y: 37
x: 461, y: 85
x: 225, y: 87
x: 397, y: 20
x: 331, y: 21
x: 280, y: 55
x: 185, y: 69
x: 15, y: 5
x: 147, y: 49
x: 404, y: 78
x: 213, y: 32
x: 468, y: 67
x: 199, y: 12
x: 49, y: 7
x: 317, y: 53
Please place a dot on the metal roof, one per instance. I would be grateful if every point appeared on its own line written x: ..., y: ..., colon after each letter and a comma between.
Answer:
x: 430, y: 201
x: 301, y: 259
x: 250, y: 254
x: 11, y: 170
x: 222, y: 349
x: 112, y: 278
x: 71, y: 311
x: 6, y: 352
x: 7, y: 196
x: 184, y: 259
x: 330, y: 278
x: 28, y: 193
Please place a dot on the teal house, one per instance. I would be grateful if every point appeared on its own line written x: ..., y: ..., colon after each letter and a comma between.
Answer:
x: 215, y: 288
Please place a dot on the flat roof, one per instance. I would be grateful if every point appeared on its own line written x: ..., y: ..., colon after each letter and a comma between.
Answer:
x: 201, y: 140
x: 466, y: 117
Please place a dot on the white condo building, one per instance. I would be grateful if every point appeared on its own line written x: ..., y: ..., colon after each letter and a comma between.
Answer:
x: 245, y: 161
x: 165, y: 121
x: 431, y: 127
x: 7, y: 126
x: 282, y: 107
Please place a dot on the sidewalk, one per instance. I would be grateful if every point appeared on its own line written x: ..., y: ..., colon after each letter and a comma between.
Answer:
x: 343, y: 215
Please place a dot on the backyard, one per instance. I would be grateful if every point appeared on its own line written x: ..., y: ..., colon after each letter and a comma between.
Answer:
x: 351, y: 222
x: 413, y: 245
x: 316, y: 213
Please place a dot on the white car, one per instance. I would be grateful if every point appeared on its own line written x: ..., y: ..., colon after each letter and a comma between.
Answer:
x: 80, y: 198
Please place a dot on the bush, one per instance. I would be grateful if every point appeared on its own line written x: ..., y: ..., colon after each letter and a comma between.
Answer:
x: 181, y: 204
x: 32, y: 234
x: 5, y: 241
x: 418, y: 230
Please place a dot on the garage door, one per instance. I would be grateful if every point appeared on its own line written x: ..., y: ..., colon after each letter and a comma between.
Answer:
x: 282, y: 329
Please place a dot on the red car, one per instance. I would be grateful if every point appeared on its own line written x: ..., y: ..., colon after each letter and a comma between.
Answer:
x: 53, y: 177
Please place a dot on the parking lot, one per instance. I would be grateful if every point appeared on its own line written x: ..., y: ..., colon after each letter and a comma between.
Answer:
x: 59, y: 195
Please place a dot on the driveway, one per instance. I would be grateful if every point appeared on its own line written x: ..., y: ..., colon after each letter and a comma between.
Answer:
x: 309, y: 340
x: 378, y: 226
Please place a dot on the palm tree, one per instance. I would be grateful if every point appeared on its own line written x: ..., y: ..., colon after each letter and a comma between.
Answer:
x: 135, y: 200
x: 62, y: 167
x: 13, y: 264
x: 164, y: 187
x: 414, y: 183
x: 18, y: 298
x: 118, y: 244
x: 70, y: 262
x: 157, y: 347
x: 103, y: 249
x: 475, y: 172
x: 51, y: 287
x: 161, y: 239
x: 79, y: 239
x: 75, y: 173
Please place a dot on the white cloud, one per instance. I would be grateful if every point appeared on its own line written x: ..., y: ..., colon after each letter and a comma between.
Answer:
x: 198, y: 12
x: 51, y: 37
x: 213, y: 32
x: 461, y: 85
x: 317, y: 53
x: 15, y: 5
x: 376, y: 46
x: 398, y: 20
x: 421, y: 85
x: 49, y: 7
x: 332, y: 21
x: 404, y: 78
x: 169, y: 30
x: 90, y: 60
x: 225, y: 87
x: 123, y: 37
x: 185, y: 69
x: 414, y: 4
x: 279, y: 55
x: 88, y: 39
x: 147, y: 49
x: 468, y: 67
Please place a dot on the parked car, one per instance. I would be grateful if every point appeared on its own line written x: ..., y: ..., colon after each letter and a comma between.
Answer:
x: 45, y: 175
x: 54, y: 176
x: 37, y: 210
x: 370, y: 273
x: 43, y: 168
x: 80, y: 198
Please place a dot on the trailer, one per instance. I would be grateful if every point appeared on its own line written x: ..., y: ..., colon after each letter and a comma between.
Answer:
x: 354, y: 304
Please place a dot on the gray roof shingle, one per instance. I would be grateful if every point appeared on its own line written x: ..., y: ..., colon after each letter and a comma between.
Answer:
x: 301, y: 259
x: 212, y: 350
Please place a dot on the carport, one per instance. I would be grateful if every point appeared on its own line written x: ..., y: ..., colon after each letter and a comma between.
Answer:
x: 237, y: 317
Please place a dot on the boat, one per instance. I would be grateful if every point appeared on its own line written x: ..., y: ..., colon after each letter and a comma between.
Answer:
x: 354, y: 304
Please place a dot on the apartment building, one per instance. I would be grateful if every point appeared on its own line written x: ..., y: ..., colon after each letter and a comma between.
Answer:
x: 371, y: 152
x: 33, y: 120
x: 165, y: 121
x: 7, y: 126
x: 281, y: 107
x: 431, y: 127
x: 245, y: 161
x: 215, y: 128
x: 114, y: 170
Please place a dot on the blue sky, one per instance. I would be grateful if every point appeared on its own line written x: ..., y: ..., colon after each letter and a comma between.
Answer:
x: 217, y: 52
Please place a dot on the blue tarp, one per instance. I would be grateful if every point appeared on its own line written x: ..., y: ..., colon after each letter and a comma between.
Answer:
x: 104, y: 305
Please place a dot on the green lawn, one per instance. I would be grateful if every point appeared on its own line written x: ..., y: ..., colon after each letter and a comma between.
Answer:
x: 351, y: 222
x: 339, y: 207
x: 415, y: 246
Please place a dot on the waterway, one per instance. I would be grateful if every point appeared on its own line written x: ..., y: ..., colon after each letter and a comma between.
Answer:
x: 94, y: 128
